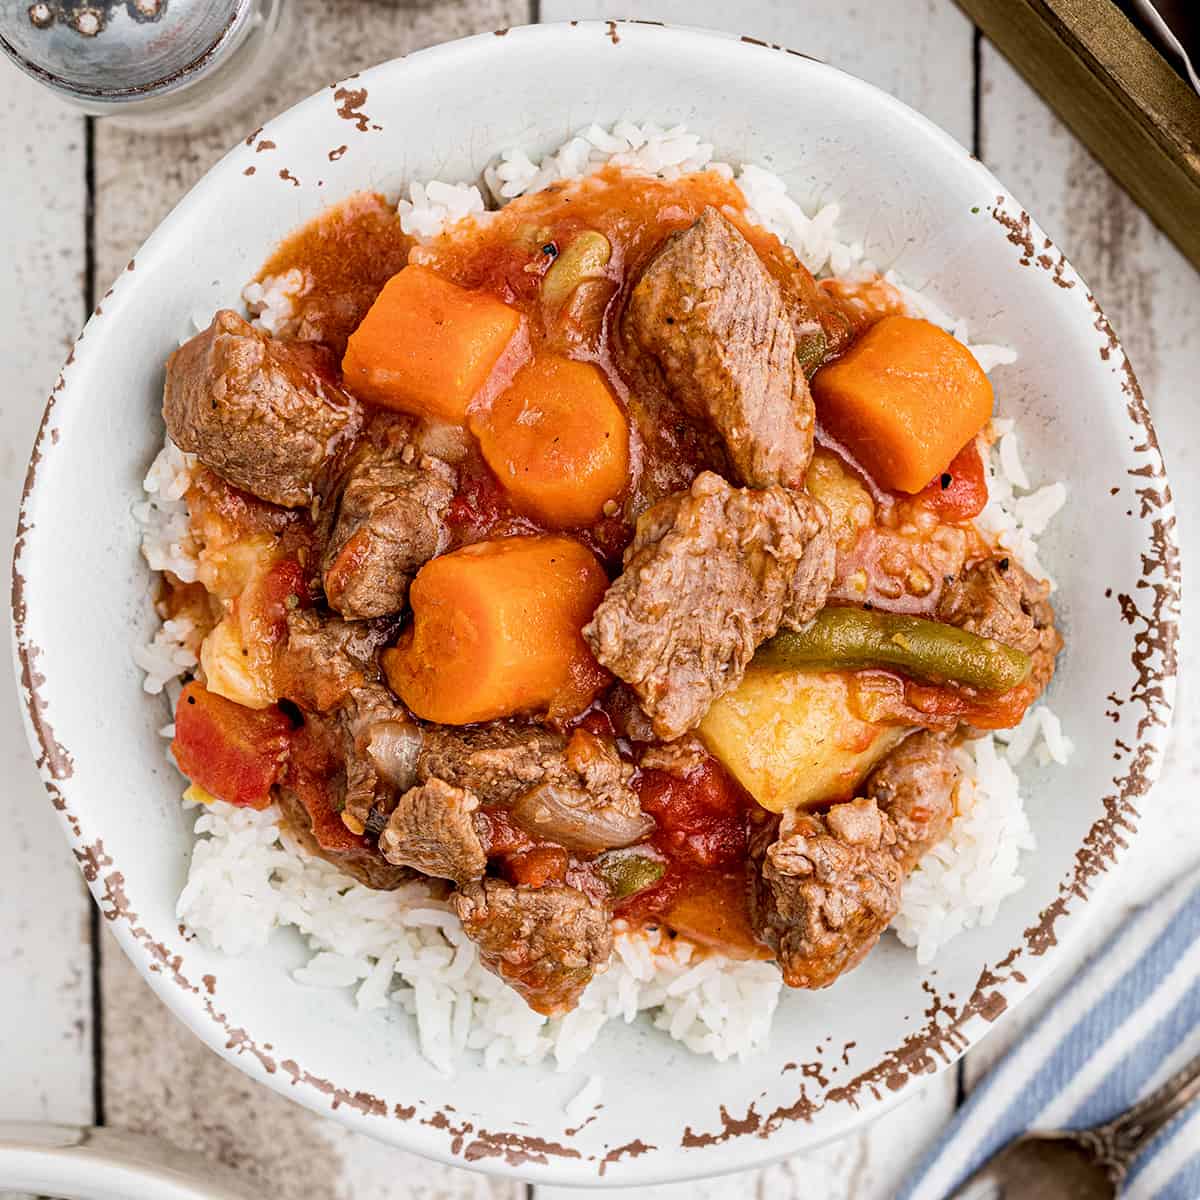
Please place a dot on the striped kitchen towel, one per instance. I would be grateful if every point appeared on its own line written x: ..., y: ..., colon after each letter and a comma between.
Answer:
x: 1124, y: 1024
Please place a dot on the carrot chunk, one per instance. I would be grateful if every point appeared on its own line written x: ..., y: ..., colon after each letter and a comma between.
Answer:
x: 427, y: 346
x: 904, y: 400
x: 237, y: 754
x: 496, y: 631
x: 557, y: 440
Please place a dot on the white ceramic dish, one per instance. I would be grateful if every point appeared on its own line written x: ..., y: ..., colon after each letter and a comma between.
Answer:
x: 82, y: 596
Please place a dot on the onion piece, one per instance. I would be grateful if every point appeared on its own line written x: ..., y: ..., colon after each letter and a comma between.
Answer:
x: 393, y: 748
x: 574, y: 819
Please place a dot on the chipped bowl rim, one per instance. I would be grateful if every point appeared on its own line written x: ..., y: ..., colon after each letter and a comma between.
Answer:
x: 743, y: 1143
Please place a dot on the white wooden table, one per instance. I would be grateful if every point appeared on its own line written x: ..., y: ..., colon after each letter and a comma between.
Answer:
x: 81, y: 1037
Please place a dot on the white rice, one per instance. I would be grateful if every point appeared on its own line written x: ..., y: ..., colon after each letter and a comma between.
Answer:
x: 166, y: 533
x: 646, y: 149
x: 406, y: 948
x: 168, y: 655
x: 962, y: 881
x: 271, y: 301
x: 1013, y: 519
x: 433, y: 206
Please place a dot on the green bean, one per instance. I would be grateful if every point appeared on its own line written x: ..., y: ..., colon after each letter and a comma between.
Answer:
x: 854, y: 638
x: 628, y: 873
x: 585, y: 257
x: 811, y: 350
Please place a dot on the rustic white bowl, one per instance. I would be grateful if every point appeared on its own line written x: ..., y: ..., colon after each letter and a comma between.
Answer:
x: 836, y: 1058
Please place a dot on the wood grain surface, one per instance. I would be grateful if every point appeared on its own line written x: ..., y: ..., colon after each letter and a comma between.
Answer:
x: 45, y: 911
x: 151, y: 1075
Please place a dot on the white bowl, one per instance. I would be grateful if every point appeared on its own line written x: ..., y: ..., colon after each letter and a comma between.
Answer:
x: 82, y: 597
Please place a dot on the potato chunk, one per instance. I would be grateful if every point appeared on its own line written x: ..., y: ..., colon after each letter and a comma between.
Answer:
x: 849, y: 504
x: 791, y: 739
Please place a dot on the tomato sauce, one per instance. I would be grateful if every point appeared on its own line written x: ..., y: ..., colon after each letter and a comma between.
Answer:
x: 702, y: 830
x: 345, y: 256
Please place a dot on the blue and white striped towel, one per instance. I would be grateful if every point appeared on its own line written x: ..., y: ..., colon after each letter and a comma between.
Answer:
x: 1127, y: 1021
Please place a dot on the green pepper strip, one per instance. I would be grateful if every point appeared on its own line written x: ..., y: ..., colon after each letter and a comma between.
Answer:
x: 811, y: 351
x: 852, y: 638
x: 629, y: 873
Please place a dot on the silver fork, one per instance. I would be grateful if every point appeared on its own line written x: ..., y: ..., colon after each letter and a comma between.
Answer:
x: 1081, y: 1164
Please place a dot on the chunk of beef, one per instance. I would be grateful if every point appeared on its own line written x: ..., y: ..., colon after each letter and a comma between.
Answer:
x: 914, y: 787
x: 710, y: 574
x: 264, y: 415
x: 814, y: 572
x: 825, y: 891
x: 546, y: 942
x: 357, y: 857
x: 432, y: 829
x: 823, y: 887
x: 389, y: 519
x: 681, y: 758
x: 597, y: 765
x: 381, y: 744
x: 498, y: 762
x: 708, y: 312
x: 574, y: 790
x: 628, y: 719
x: 325, y: 658
x: 997, y: 598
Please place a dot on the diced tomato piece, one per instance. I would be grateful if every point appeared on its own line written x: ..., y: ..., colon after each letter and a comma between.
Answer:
x: 942, y: 705
x: 597, y: 721
x: 960, y: 492
x: 700, y: 818
x: 501, y: 835
x: 237, y: 754
x: 263, y: 607
x: 311, y: 774
x: 538, y: 867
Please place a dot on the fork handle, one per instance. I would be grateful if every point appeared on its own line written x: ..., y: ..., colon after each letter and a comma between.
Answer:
x: 1118, y: 1142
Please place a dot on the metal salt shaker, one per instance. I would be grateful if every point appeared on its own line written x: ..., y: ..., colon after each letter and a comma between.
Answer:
x: 159, y: 64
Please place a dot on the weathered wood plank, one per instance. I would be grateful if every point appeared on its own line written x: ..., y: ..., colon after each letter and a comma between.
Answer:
x: 1150, y: 294
x: 922, y: 52
x: 159, y: 1079
x: 45, y: 965
x: 180, y: 1091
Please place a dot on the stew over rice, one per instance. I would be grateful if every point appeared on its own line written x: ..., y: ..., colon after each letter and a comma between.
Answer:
x: 597, y: 563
